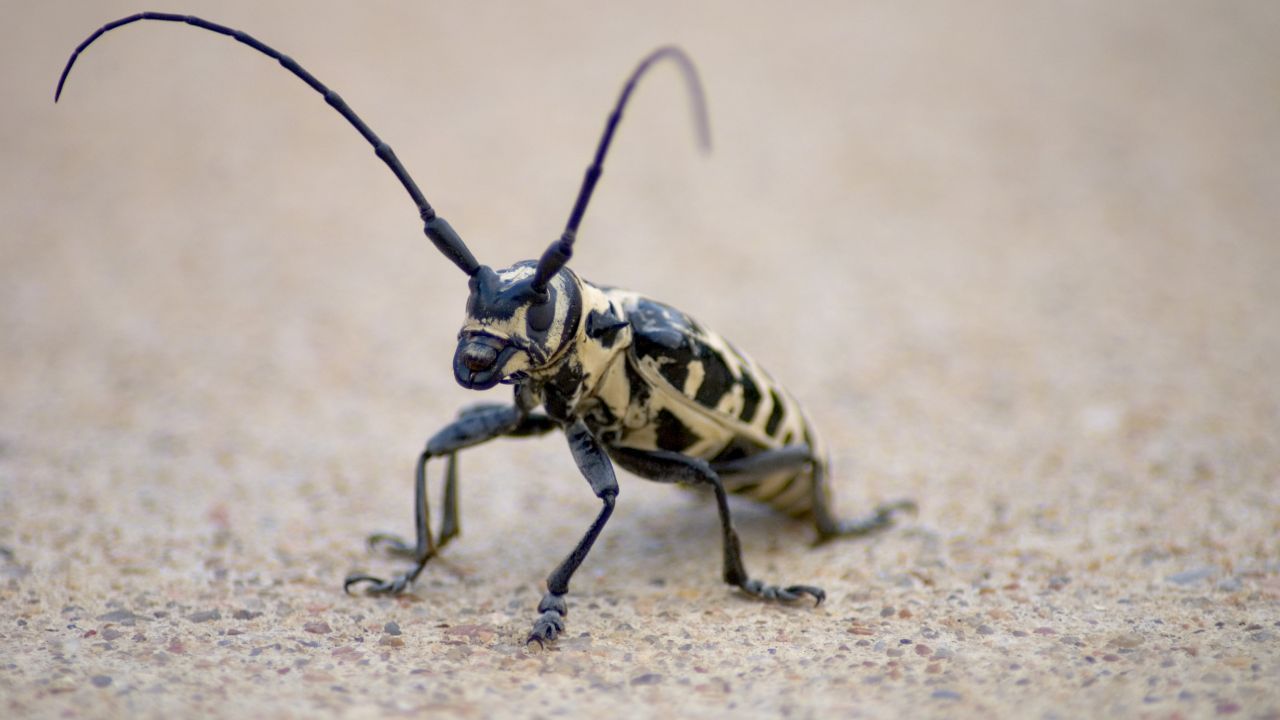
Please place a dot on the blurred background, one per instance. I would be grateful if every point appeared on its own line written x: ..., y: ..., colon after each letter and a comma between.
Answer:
x: 1018, y: 260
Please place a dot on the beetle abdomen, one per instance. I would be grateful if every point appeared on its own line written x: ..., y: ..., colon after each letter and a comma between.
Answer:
x: 692, y: 392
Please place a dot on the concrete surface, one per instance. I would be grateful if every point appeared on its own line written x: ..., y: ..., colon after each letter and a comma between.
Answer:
x: 1018, y: 259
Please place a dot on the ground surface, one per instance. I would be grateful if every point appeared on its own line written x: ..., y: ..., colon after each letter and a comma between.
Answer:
x: 1020, y: 264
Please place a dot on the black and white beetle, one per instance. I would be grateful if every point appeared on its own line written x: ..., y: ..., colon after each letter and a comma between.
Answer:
x: 628, y: 379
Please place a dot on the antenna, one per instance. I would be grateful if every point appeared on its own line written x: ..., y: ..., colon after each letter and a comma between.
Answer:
x: 444, y: 237
x: 559, y: 252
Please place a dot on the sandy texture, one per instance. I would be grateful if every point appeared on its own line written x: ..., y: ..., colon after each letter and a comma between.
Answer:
x: 1020, y: 263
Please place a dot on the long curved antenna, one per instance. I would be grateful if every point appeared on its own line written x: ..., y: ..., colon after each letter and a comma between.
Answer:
x: 441, y: 233
x: 561, y: 250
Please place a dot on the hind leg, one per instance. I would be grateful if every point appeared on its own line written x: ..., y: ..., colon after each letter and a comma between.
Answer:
x: 831, y: 527
x: 796, y: 458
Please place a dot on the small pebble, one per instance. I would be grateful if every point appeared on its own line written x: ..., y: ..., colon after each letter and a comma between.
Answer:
x: 1230, y: 584
x: 1127, y: 640
x: 986, y: 630
x: 318, y: 627
x: 205, y: 616
x: 100, y: 680
x: 945, y: 695
x: 646, y: 679
x: 124, y: 617
x: 1186, y: 577
x: 923, y: 650
x: 888, y: 611
x: 391, y: 628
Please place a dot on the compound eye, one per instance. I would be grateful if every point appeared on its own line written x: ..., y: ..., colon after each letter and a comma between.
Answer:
x: 540, y: 315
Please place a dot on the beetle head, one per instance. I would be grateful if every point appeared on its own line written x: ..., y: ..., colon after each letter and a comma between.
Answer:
x: 511, y: 328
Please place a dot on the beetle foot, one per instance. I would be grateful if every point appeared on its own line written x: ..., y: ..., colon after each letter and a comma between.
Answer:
x: 783, y: 594
x: 393, y: 545
x: 550, y: 623
x: 378, y: 586
x: 881, y: 518
x: 887, y: 510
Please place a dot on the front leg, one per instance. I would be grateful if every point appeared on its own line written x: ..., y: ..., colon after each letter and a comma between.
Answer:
x: 595, y: 466
x: 667, y: 466
x: 472, y: 427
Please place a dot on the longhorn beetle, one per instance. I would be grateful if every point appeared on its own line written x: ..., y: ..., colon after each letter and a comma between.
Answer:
x: 628, y: 380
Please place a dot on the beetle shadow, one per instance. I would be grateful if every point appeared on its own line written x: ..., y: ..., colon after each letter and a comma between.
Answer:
x: 687, y: 523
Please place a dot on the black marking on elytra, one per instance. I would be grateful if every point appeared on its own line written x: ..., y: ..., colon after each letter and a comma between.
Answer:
x: 775, y: 415
x: 675, y: 371
x: 673, y: 434
x: 750, y: 396
x: 674, y: 341
x: 659, y: 327
x: 717, y: 378
x: 664, y: 335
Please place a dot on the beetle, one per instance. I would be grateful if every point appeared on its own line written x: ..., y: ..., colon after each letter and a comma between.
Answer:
x: 629, y: 380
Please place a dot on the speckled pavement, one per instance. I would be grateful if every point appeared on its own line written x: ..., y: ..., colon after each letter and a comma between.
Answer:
x: 1019, y: 262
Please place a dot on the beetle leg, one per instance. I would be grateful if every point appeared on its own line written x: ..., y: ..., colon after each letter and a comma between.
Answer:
x: 449, y: 527
x: 674, y: 467
x: 596, y: 468
x: 831, y: 527
x: 472, y: 427
x: 396, y: 546
x: 766, y: 462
